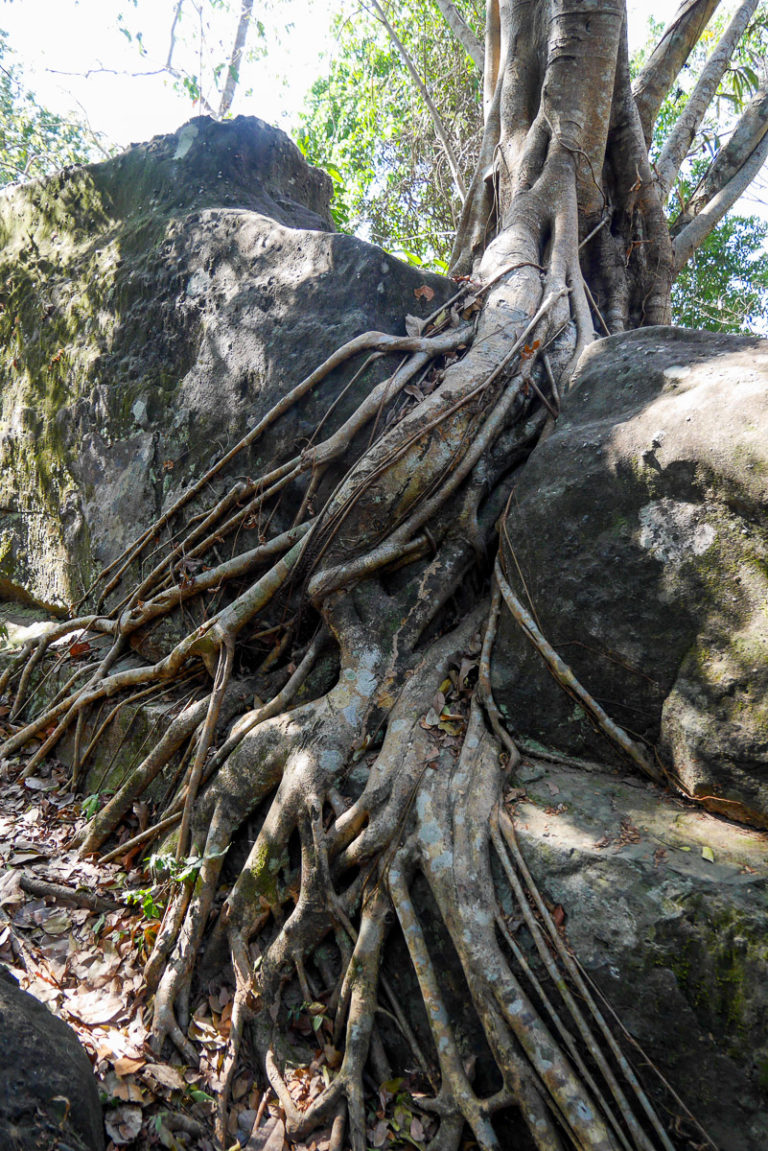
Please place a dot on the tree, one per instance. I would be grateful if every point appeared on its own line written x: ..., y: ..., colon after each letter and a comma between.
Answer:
x: 563, y: 234
x: 33, y: 140
x: 367, y: 124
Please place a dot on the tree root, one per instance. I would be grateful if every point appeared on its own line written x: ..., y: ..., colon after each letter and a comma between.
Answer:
x: 344, y: 832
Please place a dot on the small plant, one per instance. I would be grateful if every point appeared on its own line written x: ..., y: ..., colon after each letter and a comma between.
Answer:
x: 146, y: 897
x: 179, y: 870
x: 91, y: 805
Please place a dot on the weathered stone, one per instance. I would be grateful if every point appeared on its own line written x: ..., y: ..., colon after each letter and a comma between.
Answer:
x: 154, y: 307
x: 640, y: 530
x: 48, y: 1094
x: 666, y: 909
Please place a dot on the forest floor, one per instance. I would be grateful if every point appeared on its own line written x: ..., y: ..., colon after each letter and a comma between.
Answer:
x: 75, y: 934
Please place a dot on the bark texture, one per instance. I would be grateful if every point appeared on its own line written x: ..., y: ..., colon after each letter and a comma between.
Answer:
x: 374, y: 788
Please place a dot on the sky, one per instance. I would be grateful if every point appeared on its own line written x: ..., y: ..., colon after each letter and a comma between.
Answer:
x: 83, y: 57
x: 77, y: 57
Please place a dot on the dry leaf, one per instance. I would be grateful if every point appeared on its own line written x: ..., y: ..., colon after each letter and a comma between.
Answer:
x: 413, y: 325
x: 270, y: 1137
x: 166, y: 1076
x: 124, y: 1124
x: 95, y: 1006
x: 424, y: 293
x: 125, y: 1065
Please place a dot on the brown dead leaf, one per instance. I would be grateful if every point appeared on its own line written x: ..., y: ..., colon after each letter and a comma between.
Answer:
x: 127, y: 1090
x: 124, y: 1124
x: 269, y: 1137
x: 379, y: 1135
x: 95, y: 1006
x: 164, y: 1075
x: 424, y: 293
x: 417, y: 1129
x: 126, y: 1065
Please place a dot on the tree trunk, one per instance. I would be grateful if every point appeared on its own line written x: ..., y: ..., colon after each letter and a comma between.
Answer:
x: 563, y: 236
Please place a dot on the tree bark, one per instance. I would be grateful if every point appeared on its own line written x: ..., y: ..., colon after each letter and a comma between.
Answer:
x: 233, y: 68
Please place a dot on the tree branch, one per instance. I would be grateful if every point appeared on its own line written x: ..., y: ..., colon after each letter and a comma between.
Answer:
x: 172, y: 37
x: 733, y: 170
x: 233, y: 68
x: 471, y: 44
x: 680, y: 138
x: 440, y: 128
x: 668, y: 57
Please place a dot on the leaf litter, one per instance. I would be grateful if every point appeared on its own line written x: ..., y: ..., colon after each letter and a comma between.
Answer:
x: 86, y: 966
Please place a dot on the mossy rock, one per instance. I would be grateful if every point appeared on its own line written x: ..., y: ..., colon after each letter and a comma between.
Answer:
x: 640, y: 529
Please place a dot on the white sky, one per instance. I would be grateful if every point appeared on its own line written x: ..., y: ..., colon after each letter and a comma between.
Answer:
x: 77, y: 59
x: 51, y: 37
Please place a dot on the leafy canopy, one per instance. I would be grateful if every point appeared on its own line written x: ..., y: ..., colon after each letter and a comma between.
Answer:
x: 366, y: 124
x: 34, y: 141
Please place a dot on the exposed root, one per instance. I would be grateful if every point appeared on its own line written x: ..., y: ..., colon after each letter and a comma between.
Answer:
x: 355, y: 796
x: 567, y: 680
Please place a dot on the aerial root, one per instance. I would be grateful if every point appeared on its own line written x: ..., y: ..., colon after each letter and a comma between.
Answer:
x: 189, y: 917
x: 363, y: 977
x: 501, y: 823
x: 369, y: 341
x: 484, y: 687
x: 106, y: 821
x: 567, y: 680
x: 223, y: 673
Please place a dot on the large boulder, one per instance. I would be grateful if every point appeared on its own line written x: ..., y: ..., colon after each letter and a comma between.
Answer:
x: 639, y: 532
x: 48, y: 1093
x: 666, y: 908
x: 152, y: 307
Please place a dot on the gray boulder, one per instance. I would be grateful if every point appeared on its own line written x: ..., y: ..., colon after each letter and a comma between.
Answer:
x: 48, y: 1093
x: 666, y: 908
x: 640, y: 531
x: 154, y: 306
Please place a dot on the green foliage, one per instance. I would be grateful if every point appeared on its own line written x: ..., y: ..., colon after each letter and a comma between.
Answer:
x: 366, y: 124
x: 33, y: 141
x: 91, y: 805
x: 724, y: 286
x: 145, y: 896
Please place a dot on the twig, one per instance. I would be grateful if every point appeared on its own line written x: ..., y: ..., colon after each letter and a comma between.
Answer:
x: 42, y: 888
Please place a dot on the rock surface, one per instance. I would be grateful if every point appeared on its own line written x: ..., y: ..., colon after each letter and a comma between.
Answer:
x: 48, y: 1094
x: 153, y: 307
x: 640, y: 530
x: 666, y: 908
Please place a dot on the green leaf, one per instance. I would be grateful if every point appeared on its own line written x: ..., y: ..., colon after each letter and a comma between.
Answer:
x: 708, y: 854
x: 200, y: 1096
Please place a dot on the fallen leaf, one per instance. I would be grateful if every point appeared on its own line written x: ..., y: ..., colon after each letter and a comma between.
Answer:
x: 413, y: 325
x: 95, y: 1006
x: 424, y: 293
x: 165, y: 1075
x: 124, y: 1124
x: 708, y: 854
x: 380, y: 1131
x: 270, y: 1137
x: 125, y: 1065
